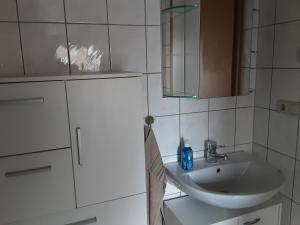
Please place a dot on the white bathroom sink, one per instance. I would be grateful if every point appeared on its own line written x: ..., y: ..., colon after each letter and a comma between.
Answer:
x: 240, y: 182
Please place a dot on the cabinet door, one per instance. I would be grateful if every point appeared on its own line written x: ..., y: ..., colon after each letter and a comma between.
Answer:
x: 268, y: 216
x: 126, y: 211
x: 106, y: 122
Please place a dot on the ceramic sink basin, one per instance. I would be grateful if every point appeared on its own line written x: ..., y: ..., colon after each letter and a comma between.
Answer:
x: 240, y: 182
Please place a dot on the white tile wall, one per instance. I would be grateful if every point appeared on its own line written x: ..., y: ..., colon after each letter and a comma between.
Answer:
x: 278, y: 135
x: 286, y: 165
x: 8, y: 11
x: 283, y: 130
x: 295, y: 214
x: 244, y: 125
x: 195, y: 128
x: 286, y: 51
x: 263, y: 88
x: 285, y: 85
x: 261, y: 123
x: 222, y: 126
x: 296, y: 193
x: 41, y: 11
x: 260, y: 152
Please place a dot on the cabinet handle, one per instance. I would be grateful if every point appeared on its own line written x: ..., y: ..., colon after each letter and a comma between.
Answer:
x: 253, y: 221
x: 27, y: 171
x: 39, y: 100
x: 79, y: 145
x: 84, y: 222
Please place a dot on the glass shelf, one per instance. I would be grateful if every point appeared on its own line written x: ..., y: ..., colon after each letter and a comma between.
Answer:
x: 177, y: 94
x: 180, y: 9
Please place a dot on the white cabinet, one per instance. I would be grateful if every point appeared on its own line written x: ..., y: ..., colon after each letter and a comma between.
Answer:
x: 33, y: 117
x: 126, y: 211
x: 267, y: 216
x: 36, y: 184
x: 106, y: 122
x: 188, y: 211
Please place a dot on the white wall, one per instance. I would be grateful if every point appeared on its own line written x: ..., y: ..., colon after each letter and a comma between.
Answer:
x: 276, y: 135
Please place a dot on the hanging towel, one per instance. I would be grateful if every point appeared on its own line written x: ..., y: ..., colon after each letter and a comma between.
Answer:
x: 156, y: 178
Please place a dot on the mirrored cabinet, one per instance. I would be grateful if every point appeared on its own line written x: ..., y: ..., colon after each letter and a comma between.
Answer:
x: 205, y: 48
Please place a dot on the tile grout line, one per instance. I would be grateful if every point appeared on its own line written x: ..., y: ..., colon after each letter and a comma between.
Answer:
x: 20, y: 38
x: 108, y: 34
x: 67, y: 37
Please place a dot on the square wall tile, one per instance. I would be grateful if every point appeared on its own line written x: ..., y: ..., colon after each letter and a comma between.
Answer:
x: 246, y: 49
x: 86, y: 11
x: 145, y: 94
x: 263, y: 87
x: 222, y: 126
x: 298, y: 145
x: 10, y: 55
x: 244, y: 125
x: 286, y: 210
x: 261, y: 126
x: 267, y: 12
x: 286, y: 49
x: 195, y: 128
x: 295, y: 214
x: 171, y: 189
x: 248, y: 13
x: 45, y: 48
x: 128, y: 48
x: 166, y: 130
x: 244, y: 148
x: 152, y: 12
x: 265, y: 46
x: 222, y: 103
x: 8, y: 11
x: 89, y: 48
x: 283, y: 133
x: 286, y: 165
x: 296, y: 194
x: 260, y: 152
x: 193, y: 105
x: 285, y: 86
x: 130, y: 12
x: 287, y: 10
x: 159, y: 106
x: 41, y: 10
x: 153, y: 49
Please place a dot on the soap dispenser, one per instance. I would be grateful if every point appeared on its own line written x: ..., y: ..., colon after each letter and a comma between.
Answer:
x: 187, y: 156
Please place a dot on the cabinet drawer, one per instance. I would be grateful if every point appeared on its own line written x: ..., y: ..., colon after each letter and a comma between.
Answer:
x: 126, y: 211
x: 267, y: 216
x: 33, y: 117
x: 36, y: 184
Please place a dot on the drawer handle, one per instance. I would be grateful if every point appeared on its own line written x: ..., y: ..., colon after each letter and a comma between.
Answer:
x: 84, y: 222
x: 253, y: 221
x: 27, y: 171
x: 79, y: 145
x: 39, y: 100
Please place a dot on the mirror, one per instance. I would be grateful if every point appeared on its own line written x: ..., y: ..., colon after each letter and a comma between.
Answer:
x: 206, y: 48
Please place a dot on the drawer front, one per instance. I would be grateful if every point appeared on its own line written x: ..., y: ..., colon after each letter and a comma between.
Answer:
x: 267, y: 216
x: 33, y: 117
x: 36, y: 184
x: 127, y: 211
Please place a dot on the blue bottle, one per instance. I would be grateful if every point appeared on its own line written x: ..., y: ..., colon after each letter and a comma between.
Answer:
x: 187, y: 156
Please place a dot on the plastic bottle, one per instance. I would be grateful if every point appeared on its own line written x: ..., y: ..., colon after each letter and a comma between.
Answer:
x: 187, y: 156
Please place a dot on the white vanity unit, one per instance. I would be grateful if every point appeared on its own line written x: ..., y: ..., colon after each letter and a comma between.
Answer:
x: 188, y: 211
x: 72, y: 150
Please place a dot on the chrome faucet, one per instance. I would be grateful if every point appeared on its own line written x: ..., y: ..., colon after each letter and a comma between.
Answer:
x: 210, y: 152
